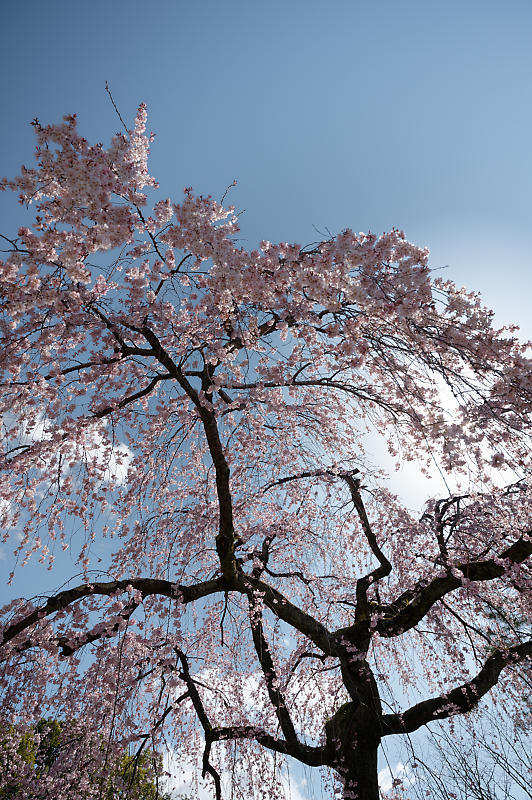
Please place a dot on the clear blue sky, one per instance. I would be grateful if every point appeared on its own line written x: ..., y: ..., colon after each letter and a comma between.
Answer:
x: 413, y: 113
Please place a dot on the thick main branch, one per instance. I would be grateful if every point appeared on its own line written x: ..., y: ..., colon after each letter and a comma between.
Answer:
x: 225, y: 540
x: 270, y: 676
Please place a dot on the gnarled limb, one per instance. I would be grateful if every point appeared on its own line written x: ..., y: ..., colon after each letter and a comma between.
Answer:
x: 313, y: 756
x: 272, y: 598
x: 460, y: 700
x: 289, y: 613
x: 146, y: 586
x: 411, y: 606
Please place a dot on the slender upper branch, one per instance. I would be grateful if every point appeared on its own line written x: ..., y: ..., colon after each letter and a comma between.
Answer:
x: 354, y: 487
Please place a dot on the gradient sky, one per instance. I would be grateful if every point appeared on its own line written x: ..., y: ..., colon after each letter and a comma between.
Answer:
x: 408, y: 113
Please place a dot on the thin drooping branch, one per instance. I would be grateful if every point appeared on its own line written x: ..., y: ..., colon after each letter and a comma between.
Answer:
x: 460, y: 700
x: 134, y: 764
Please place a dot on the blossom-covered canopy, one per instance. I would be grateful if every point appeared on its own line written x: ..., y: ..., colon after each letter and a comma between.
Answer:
x: 209, y: 412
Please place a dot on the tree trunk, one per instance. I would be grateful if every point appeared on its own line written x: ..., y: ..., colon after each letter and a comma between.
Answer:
x: 353, y: 738
x: 360, y: 774
x: 353, y: 734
